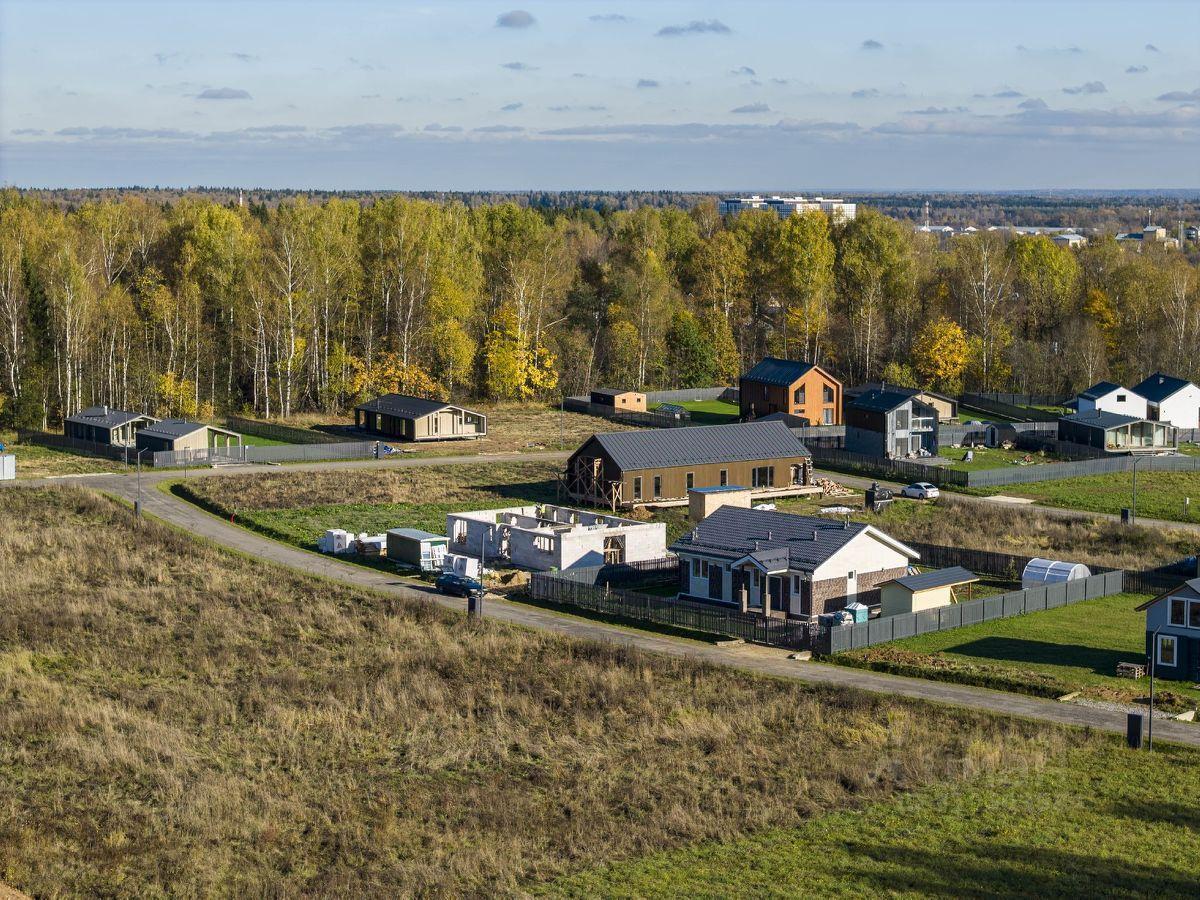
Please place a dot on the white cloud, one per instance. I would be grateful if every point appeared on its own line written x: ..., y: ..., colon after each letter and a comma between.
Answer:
x: 517, y: 18
x: 696, y: 26
x: 225, y: 93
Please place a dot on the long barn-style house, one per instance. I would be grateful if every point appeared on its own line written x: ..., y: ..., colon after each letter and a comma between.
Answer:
x: 655, y: 467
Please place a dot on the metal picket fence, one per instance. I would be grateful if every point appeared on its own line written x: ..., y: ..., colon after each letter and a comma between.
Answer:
x: 560, y: 587
x: 207, y: 456
x: 841, y: 638
x: 276, y: 432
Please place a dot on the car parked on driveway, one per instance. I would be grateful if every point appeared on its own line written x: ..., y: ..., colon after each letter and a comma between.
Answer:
x: 921, y: 490
x: 458, y: 585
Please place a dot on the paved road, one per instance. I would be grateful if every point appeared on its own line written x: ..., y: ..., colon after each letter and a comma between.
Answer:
x: 762, y: 660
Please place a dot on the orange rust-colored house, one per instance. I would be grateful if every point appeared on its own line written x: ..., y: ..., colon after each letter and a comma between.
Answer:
x: 794, y: 387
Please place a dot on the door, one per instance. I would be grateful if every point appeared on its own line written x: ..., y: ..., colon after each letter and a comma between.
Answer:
x: 851, y: 586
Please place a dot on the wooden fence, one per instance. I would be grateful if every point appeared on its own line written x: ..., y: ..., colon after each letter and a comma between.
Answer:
x: 289, y: 435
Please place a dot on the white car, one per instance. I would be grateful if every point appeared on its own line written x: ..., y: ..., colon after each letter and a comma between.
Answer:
x: 921, y: 490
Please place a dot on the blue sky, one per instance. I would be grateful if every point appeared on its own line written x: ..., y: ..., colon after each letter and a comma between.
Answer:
x: 571, y: 94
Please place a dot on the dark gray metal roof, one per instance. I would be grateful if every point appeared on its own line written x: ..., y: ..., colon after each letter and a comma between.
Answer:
x: 1100, y: 419
x: 1100, y: 389
x: 1158, y: 387
x: 106, y: 417
x: 403, y: 406
x: 937, y: 578
x: 612, y: 392
x: 1189, y: 588
x: 172, y: 428
x: 883, y: 401
x: 665, y: 448
x: 733, y: 532
x: 773, y: 370
x: 867, y: 387
x: 788, y: 419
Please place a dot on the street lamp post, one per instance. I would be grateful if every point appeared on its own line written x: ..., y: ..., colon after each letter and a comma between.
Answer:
x: 1153, y: 660
x: 137, y: 506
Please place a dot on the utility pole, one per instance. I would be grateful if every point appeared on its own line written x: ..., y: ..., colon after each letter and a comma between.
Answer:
x: 1153, y: 659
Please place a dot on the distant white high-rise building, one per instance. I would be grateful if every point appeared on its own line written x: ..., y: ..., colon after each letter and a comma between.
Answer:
x: 837, y: 210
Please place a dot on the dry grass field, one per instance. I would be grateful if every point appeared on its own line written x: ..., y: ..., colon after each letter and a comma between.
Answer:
x: 176, y: 719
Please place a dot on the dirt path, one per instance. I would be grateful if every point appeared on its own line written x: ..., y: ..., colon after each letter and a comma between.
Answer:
x: 766, y: 661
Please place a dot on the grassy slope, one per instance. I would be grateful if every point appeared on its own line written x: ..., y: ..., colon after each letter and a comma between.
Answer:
x: 176, y: 719
x: 39, y: 462
x: 708, y: 412
x: 1065, y: 649
x: 1100, y: 822
x: 1160, y: 494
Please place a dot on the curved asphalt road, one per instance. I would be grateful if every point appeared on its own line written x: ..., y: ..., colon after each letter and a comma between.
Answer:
x: 762, y: 660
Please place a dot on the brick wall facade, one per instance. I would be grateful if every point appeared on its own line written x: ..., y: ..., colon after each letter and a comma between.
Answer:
x: 829, y: 594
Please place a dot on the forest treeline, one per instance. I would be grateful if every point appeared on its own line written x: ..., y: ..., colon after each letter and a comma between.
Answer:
x: 195, y: 307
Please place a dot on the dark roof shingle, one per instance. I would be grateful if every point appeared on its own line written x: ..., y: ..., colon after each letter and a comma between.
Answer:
x: 665, y: 448
x: 883, y: 401
x: 773, y: 370
x: 403, y: 406
x: 1100, y: 419
x: 106, y: 417
x: 1158, y: 387
x: 172, y: 428
x: 1100, y: 389
x: 734, y: 532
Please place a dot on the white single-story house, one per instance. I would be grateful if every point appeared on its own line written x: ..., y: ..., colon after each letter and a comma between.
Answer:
x: 1105, y: 396
x: 784, y: 565
x: 1171, y: 400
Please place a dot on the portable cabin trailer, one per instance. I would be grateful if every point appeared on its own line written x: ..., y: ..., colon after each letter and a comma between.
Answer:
x: 419, y: 549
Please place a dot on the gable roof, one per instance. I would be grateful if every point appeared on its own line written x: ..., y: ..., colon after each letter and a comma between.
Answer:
x: 666, y: 448
x: 172, y: 428
x: 1158, y: 387
x: 403, y: 406
x: 735, y: 533
x: 1192, y: 583
x: 1100, y: 419
x: 106, y: 417
x: 885, y: 401
x: 859, y: 390
x: 773, y: 370
x: 937, y: 578
x: 1100, y: 389
x: 612, y: 392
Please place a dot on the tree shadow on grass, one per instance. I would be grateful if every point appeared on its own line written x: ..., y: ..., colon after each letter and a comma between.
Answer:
x: 524, y: 491
x: 1165, y: 812
x: 984, y: 870
x: 1099, y: 660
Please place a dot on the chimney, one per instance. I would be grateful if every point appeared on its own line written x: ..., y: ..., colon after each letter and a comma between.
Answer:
x: 104, y: 410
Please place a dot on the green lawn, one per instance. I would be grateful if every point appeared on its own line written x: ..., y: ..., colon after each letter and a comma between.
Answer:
x: 34, y: 461
x: 1098, y: 821
x: 1050, y: 653
x: 253, y: 440
x: 1190, y: 449
x: 708, y: 412
x: 990, y: 458
x: 1161, y: 495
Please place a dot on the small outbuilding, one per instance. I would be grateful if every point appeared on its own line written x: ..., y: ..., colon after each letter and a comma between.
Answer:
x: 180, y: 434
x: 419, y: 549
x: 105, y: 425
x: 926, y: 590
x: 408, y: 418
x: 704, y: 501
x: 619, y: 400
x: 1039, y: 572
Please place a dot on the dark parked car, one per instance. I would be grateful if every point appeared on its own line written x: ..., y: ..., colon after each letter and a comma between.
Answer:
x: 458, y: 585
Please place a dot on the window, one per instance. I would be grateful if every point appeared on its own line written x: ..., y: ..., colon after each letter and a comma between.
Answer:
x: 724, y: 477
x: 543, y: 542
x: 827, y: 417
x: 827, y: 394
x: 1166, y: 650
x: 1178, y: 605
x: 764, y: 392
x: 799, y: 394
x: 657, y: 486
x: 637, y: 488
x: 696, y: 567
x: 902, y: 420
x: 435, y: 424
x: 691, y: 480
x: 1120, y: 398
x: 763, y: 476
x: 1194, y: 614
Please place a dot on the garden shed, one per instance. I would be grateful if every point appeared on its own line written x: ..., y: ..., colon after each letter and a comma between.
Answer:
x: 1039, y: 572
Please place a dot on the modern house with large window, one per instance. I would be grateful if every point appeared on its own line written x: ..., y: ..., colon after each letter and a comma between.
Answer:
x: 659, y: 466
x: 790, y: 386
x: 891, y: 423
x: 786, y: 566
x: 1105, y: 396
x: 946, y: 407
x: 1173, y: 632
x: 417, y: 419
x: 1117, y: 433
